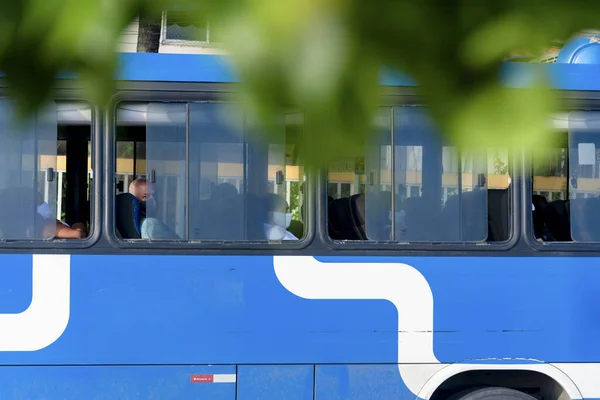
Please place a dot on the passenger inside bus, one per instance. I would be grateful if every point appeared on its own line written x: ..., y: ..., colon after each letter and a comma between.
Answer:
x: 150, y: 226
x: 214, y: 184
x: 141, y: 190
x: 46, y: 172
x: 412, y: 185
x: 279, y: 219
x: 561, y: 211
x: 62, y: 229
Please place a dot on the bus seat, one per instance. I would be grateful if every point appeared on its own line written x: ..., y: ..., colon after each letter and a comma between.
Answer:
x: 127, y: 216
x: 218, y: 218
x: 447, y: 224
x: 474, y: 217
x: 418, y: 220
x: 256, y: 216
x: 296, y: 228
x: 471, y: 225
x: 556, y: 216
x: 336, y: 220
x: 357, y: 213
x: 539, y: 201
x: 345, y: 220
x: 377, y: 215
x: 228, y: 220
x: 498, y: 215
x: 539, y: 225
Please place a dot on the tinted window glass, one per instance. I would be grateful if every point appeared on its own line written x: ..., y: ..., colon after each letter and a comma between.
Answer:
x: 584, y: 176
x: 420, y: 188
x: 213, y: 175
x: 27, y: 175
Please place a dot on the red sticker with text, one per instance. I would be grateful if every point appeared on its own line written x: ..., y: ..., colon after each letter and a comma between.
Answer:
x: 201, y: 378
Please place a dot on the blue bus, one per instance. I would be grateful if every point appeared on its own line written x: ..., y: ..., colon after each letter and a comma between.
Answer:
x: 207, y: 263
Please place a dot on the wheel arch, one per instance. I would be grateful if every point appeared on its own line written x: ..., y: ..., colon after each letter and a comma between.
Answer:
x: 453, y: 372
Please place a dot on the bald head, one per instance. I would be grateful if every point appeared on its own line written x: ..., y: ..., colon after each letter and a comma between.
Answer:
x: 141, y: 190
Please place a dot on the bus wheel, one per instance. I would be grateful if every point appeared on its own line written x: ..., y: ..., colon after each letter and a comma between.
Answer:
x: 493, y: 393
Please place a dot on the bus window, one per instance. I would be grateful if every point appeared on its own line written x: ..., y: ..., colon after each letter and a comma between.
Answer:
x: 415, y: 187
x: 566, y: 181
x: 38, y: 201
x: 208, y: 174
x: 584, y: 176
x: 550, y: 197
x: 74, y: 171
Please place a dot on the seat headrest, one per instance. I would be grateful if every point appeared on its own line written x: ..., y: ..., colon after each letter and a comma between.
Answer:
x: 128, y: 216
x: 557, y: 218
x: 538, y: 201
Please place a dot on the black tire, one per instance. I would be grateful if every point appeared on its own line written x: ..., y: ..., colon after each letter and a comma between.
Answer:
x: 491, y: 393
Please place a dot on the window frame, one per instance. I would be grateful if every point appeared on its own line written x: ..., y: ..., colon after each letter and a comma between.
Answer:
x: 589, y: 101
x: 407, y: 98
x: 167, y: 93
x: 164, y: 40
x: 68, y: 91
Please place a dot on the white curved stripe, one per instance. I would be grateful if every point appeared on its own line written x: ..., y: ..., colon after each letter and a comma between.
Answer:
x: 46, y: 318
x: 401, y: 284
x: 406, y: 288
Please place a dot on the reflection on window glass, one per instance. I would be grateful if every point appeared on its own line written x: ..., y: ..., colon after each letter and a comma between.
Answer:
x: 566, y: 183
x: 212, y: 176
x: 28, y: 157
x: 584, y: 176
x: 74, y: 176
x: 46, y: 172
x: 419, y: 188
x: 550, y: 193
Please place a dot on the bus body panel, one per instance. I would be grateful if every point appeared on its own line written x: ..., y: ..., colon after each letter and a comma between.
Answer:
x: 274, y: 382
x: 256, y: 327
x: 484, y: 308
x: 354, y: 382
x: 227, y: 310
x: 70, y: 382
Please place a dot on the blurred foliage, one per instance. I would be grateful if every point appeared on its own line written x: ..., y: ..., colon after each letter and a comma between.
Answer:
x: 320, y: 56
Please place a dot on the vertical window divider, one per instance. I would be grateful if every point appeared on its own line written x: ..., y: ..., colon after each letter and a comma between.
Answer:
x: 187, y: 171
x: 245, y: 147
x: 392, y: 177
x: 459, y: 191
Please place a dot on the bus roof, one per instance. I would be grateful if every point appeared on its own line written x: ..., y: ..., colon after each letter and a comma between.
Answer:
x: 154, y: 67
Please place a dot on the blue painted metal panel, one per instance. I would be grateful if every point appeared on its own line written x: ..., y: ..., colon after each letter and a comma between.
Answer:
x: 15, y: 294
x: 275, y: 382
x: 200, y: 310
x: 211, y: 68
x: 236, y: 304
x: 121, y: 306
x: 113, y: 382
x: 152, y: 67
x: 359, y: 382
x: 175, y: 68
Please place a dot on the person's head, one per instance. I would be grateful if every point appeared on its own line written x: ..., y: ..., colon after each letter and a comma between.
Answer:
x: 141, y: 190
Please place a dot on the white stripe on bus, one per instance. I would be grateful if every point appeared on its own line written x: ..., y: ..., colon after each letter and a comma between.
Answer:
x: 47, y: 316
